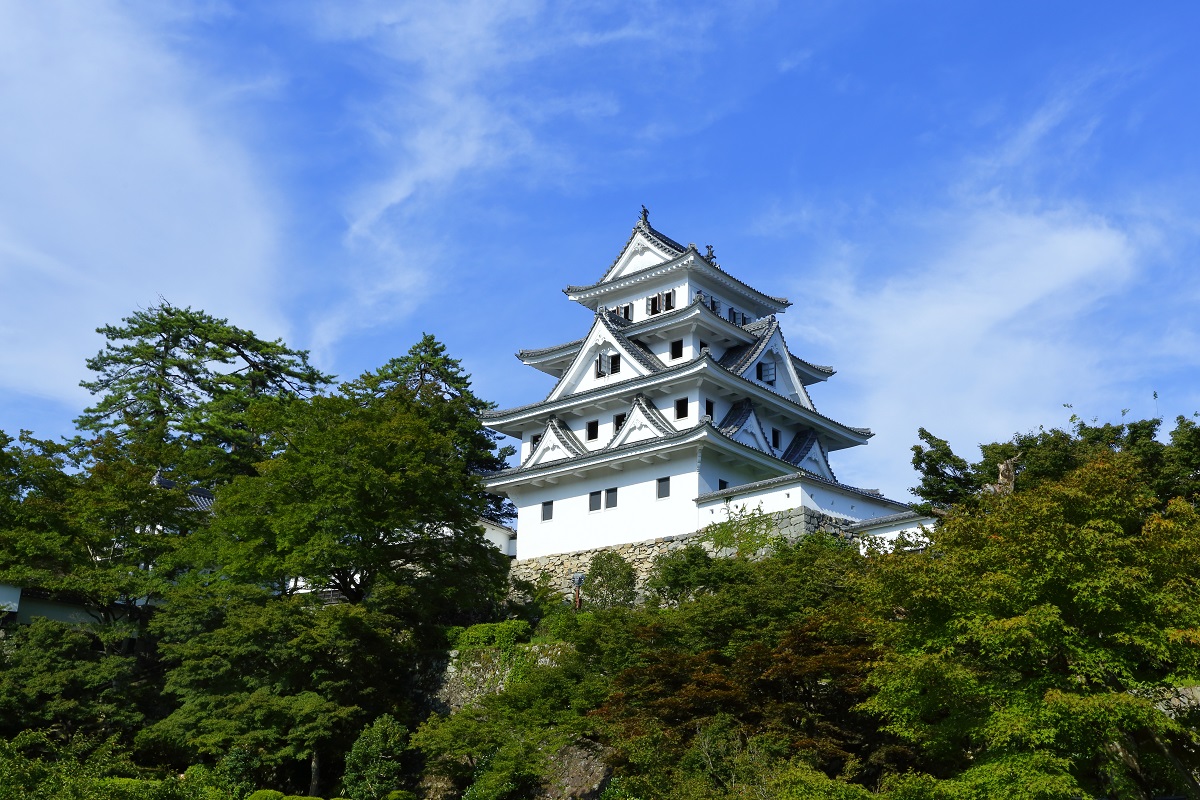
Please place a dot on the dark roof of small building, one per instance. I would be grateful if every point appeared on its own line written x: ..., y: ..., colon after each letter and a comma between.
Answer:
x: 891, y: 519
x: 200, y: 498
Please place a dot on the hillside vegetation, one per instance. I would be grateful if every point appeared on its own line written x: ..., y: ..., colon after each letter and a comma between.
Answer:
x: 1041, y: 643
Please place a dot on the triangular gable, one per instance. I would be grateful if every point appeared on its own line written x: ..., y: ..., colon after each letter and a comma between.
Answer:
x: 557, y: 443
x: 643, y: 250
x: 807, y: 452
x: 603, y: 339
x: 772, y: 350
x: 643, y: 421
x: 752, y: 433
x: 741, y: 424
x: 817, y: 461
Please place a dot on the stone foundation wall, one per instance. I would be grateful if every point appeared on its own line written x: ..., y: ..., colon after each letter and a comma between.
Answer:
x: 791, y: 524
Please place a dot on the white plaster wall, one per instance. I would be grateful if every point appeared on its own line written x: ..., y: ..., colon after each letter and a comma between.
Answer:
x: 639, y: 513
x: 847, y: 505
x: 638, y: 293
x: 885, y: 536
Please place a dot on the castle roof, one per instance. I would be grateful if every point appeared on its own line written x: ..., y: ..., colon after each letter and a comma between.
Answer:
x: 840, y: 434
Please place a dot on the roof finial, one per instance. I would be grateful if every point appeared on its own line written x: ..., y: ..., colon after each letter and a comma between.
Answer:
x: 645, y: 215
x: 710, y: 255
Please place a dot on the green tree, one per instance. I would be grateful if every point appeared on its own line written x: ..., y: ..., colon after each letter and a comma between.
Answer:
x: 373, y: 765
x: 286, y: 678
x: 1035, y: 641
x: 374, y: 488
x: 179, y: 380
x: 428, y: 373
x: 611, y: 581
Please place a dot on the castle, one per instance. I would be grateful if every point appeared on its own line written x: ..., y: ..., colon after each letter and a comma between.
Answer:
x: 682, y: 400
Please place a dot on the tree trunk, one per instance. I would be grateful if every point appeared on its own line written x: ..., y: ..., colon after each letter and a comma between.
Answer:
x: 314, y: 773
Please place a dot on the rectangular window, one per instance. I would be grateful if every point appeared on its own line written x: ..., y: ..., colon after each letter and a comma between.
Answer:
x: 614, y: 364
x: 654, y: 304
x: 715, y: 305
x: 677, y: 348
x: 775, y: 438
x: 610, y: 498
x: 618, y: 421
x: 594, y: 501
x: 681, y: 408
x: 627, y: 311
x: 703, y: 345
x: 765, y: 371
x: 722, y: 484
x: 601, y: 366
x: 593, y: 430
x: 533, y: 440
x: 668, y: 300
x: 664, y: 487
x: 733, y: 315
x: 710, y: 408
x: 547, y: 511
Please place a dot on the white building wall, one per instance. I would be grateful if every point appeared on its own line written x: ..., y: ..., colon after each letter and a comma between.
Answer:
x: 808, y: 494
x: 639, y: 513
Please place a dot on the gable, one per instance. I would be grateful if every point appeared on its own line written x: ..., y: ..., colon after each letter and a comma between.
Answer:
x: 603, y: 341
x: 641, y: 252
x: 643, y: 421
x: 557, y: 443
x: 751, y: 433
x: 773, y: 367
x: 816, y: 461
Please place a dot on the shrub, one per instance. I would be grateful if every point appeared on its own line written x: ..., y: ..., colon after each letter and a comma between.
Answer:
x: 611, y: 581
x: 266, y: 794
x: 495, y: 634
x: 373, y: 763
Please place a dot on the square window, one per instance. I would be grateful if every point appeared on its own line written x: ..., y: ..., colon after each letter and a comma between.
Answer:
x: 664, y: 487
x: 618, y: 421
x: 775, y: 436
x: 610, y: 498
x: 547, y: 511
x: 710, y: 408
x: 722, y: 484
x: 681, y: 408
x: 765, y: 372
x: 677, y: 348
x: 594, y: 501
x: 614, y: 364
x: 593, y: 430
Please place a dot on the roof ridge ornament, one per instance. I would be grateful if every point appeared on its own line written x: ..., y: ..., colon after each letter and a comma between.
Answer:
x: 645, y: 218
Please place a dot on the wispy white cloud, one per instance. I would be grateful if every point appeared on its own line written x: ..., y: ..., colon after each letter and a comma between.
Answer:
x: 461, y: 103
x: 981, y: 312
x: 121, y: 183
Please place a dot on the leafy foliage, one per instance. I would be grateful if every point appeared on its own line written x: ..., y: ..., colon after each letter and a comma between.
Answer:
x: 610, y: 581
x: 178, y: 382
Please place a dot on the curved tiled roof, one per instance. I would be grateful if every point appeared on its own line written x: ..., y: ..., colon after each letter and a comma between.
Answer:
x: 537, y: 352
x: 890, y: 519
x: 801, y: 443
x: 699, y: 259
x: 661, y: 239
x: 705, y: 355
x: 644, y: 444
x: 637, y: 349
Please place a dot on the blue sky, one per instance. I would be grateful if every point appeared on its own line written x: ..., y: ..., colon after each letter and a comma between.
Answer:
x: 981, y: 212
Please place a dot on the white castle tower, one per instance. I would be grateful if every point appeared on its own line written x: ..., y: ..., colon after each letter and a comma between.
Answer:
x: 682, y: 399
